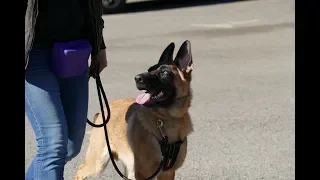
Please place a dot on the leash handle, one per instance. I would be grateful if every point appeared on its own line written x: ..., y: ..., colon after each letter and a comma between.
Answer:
x: 94, y: 72
x: 100, y: 89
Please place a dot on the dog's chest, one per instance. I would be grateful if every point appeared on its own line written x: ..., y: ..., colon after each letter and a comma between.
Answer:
x: 144, y: 141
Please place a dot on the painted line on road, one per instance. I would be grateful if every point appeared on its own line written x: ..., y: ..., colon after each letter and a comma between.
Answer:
x: 226, y: 25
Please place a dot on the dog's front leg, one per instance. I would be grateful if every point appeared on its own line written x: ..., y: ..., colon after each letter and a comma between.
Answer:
x: 166, y: 175
x: 140, y: 172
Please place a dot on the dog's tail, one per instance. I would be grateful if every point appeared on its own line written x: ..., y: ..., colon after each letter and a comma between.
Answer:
x: 95, y: 117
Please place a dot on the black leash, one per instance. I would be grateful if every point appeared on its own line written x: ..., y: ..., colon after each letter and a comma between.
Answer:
x: 104, y: 125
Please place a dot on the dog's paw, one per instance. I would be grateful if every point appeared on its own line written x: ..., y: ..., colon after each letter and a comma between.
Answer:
x: 79, y: 173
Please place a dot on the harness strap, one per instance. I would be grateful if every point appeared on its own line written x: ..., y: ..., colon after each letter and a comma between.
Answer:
x: 171, y: 155
x: 169, y: 151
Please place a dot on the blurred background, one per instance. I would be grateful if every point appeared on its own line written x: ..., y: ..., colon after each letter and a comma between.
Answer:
x: 243, y: 81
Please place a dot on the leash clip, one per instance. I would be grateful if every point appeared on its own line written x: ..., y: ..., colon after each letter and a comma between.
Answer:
x: 160, y: 124
x: 160, y: 127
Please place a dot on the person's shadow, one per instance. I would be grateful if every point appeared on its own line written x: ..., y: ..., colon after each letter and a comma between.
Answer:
x: 157, y: 5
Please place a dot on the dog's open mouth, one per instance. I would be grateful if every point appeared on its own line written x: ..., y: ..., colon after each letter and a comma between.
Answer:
x: 152, y: 96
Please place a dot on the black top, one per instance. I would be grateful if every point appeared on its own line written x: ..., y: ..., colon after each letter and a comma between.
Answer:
x: 59, y: 21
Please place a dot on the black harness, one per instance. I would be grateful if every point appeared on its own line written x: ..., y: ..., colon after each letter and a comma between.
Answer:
x: 170, y: 152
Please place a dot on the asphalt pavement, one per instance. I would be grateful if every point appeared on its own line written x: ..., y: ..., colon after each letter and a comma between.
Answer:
x: 243, y: 83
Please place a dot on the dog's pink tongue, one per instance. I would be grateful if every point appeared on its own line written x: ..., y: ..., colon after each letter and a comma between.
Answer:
x: 143, y: 98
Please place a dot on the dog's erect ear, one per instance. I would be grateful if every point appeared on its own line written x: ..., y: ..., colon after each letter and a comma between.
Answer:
x: 167, y: 55
x: 184, y: 57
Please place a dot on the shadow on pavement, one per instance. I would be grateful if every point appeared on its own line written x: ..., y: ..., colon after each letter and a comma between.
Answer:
x: 157, y: 5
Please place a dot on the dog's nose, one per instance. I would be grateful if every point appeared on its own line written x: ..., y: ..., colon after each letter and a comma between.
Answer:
x: 138, y: 78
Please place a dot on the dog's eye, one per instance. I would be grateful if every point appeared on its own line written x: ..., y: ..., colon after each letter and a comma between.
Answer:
x: 164, y: 72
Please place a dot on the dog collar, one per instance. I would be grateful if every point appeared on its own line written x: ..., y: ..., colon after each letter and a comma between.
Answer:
x: 182, y: 97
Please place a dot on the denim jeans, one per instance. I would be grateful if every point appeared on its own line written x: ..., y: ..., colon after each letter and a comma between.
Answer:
x: 57, y: 111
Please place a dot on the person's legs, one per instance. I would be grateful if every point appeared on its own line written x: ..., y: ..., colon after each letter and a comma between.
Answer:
x: 57, y: 110
x: 74, y: 96
x: 45, y: 112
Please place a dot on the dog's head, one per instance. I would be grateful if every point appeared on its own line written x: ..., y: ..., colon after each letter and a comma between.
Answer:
x: 169, y: 80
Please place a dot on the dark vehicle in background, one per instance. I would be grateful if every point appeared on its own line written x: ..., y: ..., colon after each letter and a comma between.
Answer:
x: 113, y: 6
x: 116, y: 6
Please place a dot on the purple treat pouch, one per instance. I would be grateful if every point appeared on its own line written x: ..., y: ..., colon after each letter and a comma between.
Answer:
x: 70, y: 58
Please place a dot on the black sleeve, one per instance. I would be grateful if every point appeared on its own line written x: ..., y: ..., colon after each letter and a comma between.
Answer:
x: 25, y: 6
x: 102, y: 46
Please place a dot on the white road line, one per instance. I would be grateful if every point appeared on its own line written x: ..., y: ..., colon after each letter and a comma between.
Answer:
x: 212, y: 25
x: 226, y: 25
x: 244, y: 22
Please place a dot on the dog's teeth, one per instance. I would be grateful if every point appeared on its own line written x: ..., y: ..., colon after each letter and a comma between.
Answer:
x: 158, y: 95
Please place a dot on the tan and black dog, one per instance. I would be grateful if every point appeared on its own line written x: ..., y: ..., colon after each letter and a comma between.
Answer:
x: 135, y: 129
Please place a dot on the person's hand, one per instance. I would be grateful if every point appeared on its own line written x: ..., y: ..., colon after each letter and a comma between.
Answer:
x: 102, y: 62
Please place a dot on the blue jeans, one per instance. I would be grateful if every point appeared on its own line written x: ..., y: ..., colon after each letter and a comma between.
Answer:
x: 57, y: 110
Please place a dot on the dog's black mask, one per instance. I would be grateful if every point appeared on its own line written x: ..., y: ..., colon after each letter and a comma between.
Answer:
x: 158, y: 82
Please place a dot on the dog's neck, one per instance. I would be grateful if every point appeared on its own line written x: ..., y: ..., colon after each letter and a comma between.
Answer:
x: 178, y: 109
x: 176, y: 120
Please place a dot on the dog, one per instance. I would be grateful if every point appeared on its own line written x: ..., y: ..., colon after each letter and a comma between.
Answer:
x: 137, y: 127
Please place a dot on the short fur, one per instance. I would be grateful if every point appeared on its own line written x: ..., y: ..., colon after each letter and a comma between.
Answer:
x: 132, y: 127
